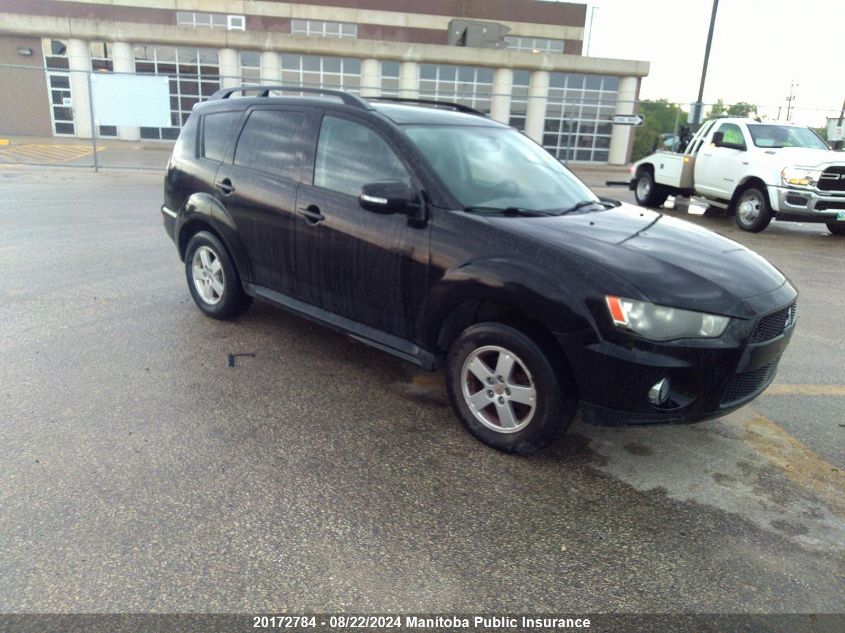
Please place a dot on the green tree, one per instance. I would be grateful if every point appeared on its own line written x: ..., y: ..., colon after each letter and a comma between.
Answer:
x: 659, y: 118
x: 739, y: 109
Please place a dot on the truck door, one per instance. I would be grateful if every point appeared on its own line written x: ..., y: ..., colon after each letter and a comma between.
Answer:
x: 719, y: 168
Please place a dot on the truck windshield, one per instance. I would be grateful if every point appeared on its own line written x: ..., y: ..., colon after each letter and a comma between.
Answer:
x: 784, y: 136
x: 498, y: 168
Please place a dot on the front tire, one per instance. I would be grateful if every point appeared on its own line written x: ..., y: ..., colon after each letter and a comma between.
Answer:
x: 837, y: 228
x: 505, y: 390
x: 647, y: 192
x: 212, y: 278
x: 752, y: 210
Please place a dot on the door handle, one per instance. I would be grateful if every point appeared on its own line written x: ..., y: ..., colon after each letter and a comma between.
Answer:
x: 226, y: 187
x: 311, y: 213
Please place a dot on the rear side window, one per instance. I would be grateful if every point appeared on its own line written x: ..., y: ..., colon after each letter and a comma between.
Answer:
x: 217, y: 131
x: 350, y: 155
x: 268, y: 142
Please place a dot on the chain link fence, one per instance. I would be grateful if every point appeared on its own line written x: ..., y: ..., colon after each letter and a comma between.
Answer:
x: 57, y: 116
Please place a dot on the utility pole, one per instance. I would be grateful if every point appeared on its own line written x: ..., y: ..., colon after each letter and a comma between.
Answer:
x: 792, y: 86
x: 698, y: 106
x: 590, y: 30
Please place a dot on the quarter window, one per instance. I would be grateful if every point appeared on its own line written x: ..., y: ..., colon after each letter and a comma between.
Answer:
x: 269, y: 142
x: 350, y: 155
x: 218, y: 129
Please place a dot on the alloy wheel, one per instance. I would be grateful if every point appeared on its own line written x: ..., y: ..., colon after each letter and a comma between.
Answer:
x: 207, y: 272
x: 498, y: 389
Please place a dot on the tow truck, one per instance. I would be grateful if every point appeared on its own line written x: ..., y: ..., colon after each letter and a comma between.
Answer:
x: 756, y: 170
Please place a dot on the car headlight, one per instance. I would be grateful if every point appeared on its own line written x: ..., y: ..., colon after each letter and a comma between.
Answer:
x: 659, y: 323
x: 800, y: 176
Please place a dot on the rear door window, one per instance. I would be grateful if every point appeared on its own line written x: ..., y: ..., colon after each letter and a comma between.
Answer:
x: 350, y: 155
x: 218, y: 129
x: 269, y: 143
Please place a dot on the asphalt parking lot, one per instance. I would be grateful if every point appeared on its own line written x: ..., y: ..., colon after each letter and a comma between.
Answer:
x: 141, y: 472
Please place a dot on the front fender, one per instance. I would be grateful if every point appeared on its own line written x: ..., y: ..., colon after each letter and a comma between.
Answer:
x: 204, y: 208
x: 541, y: 295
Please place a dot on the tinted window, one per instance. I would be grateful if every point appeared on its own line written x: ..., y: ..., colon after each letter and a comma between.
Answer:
x: 350, y: 155
x: 268, y: 142
x: 218, y: 130
x: 731, y: 134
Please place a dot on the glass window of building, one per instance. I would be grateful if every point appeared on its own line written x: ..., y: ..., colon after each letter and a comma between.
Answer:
x: 250, y: 68
x: 390, y: 79
x: 534, y: 44
x: 194, y: 76
x: 58, y: 86
x: 578, y: 116
x: 324, y: 28
x: 101, y: 62
x: 469, y: 85
x: 197, y: 19
x: 519, y: 99
x: 321, y: 71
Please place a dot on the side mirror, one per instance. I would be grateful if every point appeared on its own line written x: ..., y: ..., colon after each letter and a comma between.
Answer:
x: 385, y: 196
x: 718, y: 137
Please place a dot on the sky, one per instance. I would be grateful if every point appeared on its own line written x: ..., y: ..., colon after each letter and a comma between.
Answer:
x: 759, y: 48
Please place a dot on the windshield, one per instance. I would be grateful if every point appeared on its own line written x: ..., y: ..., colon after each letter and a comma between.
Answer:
x: 785, y: 136
x: 498, y: 168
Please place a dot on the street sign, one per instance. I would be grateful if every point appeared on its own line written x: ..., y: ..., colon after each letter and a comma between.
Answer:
x: 628, y: 119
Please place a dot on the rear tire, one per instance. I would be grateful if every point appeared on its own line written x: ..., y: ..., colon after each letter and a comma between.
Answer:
x: 647, y: 192
x: 212, y: 278
x: 837, y: 228
x: 752, y: 210
x: 506, y: 391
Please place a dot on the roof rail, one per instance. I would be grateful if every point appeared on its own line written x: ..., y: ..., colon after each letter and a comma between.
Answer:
x: 446, y: 104
x: 264, y: 91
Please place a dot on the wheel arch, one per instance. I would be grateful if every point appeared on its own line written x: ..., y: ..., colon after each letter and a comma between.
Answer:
x: 202, y: 212
x: 750, y: 180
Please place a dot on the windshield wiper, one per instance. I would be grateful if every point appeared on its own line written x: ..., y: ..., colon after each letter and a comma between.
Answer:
x: 587, y: 203
x: 530, y: 213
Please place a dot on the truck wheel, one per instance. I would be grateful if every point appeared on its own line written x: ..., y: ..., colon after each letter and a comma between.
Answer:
x: 753, y: 213
x: 647, y: 192
x: 505, y: 390
x: 837, y: 228
x: 212, y: 279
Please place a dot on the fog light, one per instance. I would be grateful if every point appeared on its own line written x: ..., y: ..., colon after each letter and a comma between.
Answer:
x: 659, y: 392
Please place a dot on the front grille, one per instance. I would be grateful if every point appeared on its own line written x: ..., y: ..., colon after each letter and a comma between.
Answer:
x: 748, y: 384
x: 832, y: 179
x: 774, y: 324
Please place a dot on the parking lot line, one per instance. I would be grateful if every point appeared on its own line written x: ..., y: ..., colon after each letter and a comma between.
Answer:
x: 44, y: 153
x: 798, y: 462
x: 805, y: 390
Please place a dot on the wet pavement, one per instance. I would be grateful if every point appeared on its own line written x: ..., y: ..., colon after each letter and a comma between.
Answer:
x: 142, y: 472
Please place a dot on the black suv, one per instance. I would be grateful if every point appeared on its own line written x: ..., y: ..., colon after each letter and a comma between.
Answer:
x: 448, y: 239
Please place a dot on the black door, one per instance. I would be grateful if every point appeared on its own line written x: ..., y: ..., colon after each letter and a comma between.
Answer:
x: 258, y: 187
x: 368, y: 267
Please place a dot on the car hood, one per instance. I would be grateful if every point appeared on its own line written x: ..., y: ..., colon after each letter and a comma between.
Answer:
x: 802, y: 156
x: 672, y: 262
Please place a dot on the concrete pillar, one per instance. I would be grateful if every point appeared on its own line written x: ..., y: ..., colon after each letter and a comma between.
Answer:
x: 622, y: 135
x: 370, y: 78
x: 123, y: 59
x: 500, y: 105
x: 79, y: 64
x: 271, y: 68
x: 535, y: 112
x: 409, y: 80
x: 230, y: 68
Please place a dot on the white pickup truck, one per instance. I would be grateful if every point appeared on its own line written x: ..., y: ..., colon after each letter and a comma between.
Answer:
x: 756, y: 170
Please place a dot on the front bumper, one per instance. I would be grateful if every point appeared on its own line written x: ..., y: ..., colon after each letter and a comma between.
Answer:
x: 709, y: 377
x: 806, y: 205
